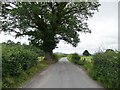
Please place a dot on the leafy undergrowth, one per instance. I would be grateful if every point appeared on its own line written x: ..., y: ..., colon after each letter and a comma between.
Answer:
x: 86, y: 62
x: 14, y: 82
x: 59, y: 56
x: 106, y: 69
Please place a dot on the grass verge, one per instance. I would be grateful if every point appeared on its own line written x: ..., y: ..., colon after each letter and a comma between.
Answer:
x: 86, y: 62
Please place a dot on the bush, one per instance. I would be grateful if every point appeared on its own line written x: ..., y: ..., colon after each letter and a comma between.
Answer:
x: 35, y: 49
x: 15, y: 59
x: 59, y: 56
x: 74, y: 58
x: 55, y: 57
x: 87, y: 63
x: 82, y: 62
x: 105, y: 69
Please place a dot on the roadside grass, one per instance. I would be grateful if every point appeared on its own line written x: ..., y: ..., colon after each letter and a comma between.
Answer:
x: 87, y: 58
x: 40, y: 59
x: 86, y: 62
x: 18, y: 81
x: 88, y: 66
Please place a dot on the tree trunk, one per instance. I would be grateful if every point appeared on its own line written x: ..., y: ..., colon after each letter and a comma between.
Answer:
x: 48, y: 56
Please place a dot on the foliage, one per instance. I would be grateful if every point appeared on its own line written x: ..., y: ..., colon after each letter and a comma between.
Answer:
x: 106, y: 69
x: 86, y: 53
x: 85, y: 59
x: 86, y: 62
x: 74, y: 57
x: 58, y: 56
x: 40, y: 59
x: 55, y: 57
x: 30, y: 46
x: 17, y: 81
x: 46, y: 23
x: 16, y: 58
x: 37, y: 50
x: 109, y: 50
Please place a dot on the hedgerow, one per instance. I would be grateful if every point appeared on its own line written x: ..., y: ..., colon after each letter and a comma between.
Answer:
x: 20, y: 63
x: 106, y: 69
x: 15, y: 59
x: 74, y: 57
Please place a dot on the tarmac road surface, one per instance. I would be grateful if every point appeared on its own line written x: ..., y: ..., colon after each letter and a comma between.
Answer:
x: 63, y: 74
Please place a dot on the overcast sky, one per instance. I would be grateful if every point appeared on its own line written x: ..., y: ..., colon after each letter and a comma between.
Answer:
x: 104, y: 26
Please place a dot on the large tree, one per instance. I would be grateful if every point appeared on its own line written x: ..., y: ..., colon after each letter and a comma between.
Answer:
x: 46, y: 23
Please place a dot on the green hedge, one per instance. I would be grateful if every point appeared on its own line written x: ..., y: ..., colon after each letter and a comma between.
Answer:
x: 59, y: 56
x: 15, y: 59
x: 105, y: 69
x: 74, y: 57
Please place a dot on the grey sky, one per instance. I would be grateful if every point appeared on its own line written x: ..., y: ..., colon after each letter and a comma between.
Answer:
x: 104, y: 26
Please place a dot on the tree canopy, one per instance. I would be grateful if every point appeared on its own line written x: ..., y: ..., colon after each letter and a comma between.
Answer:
x: 46, y: 23
x: 109, y: 50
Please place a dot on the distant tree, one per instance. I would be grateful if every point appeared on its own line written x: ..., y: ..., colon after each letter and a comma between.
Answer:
x: 109, y: 50
x: 46, y: 23
x: 75, y: 58
x: 3, y: 42
x: 18, y: 43
x: 10, y: 42
x: 86, y: 53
